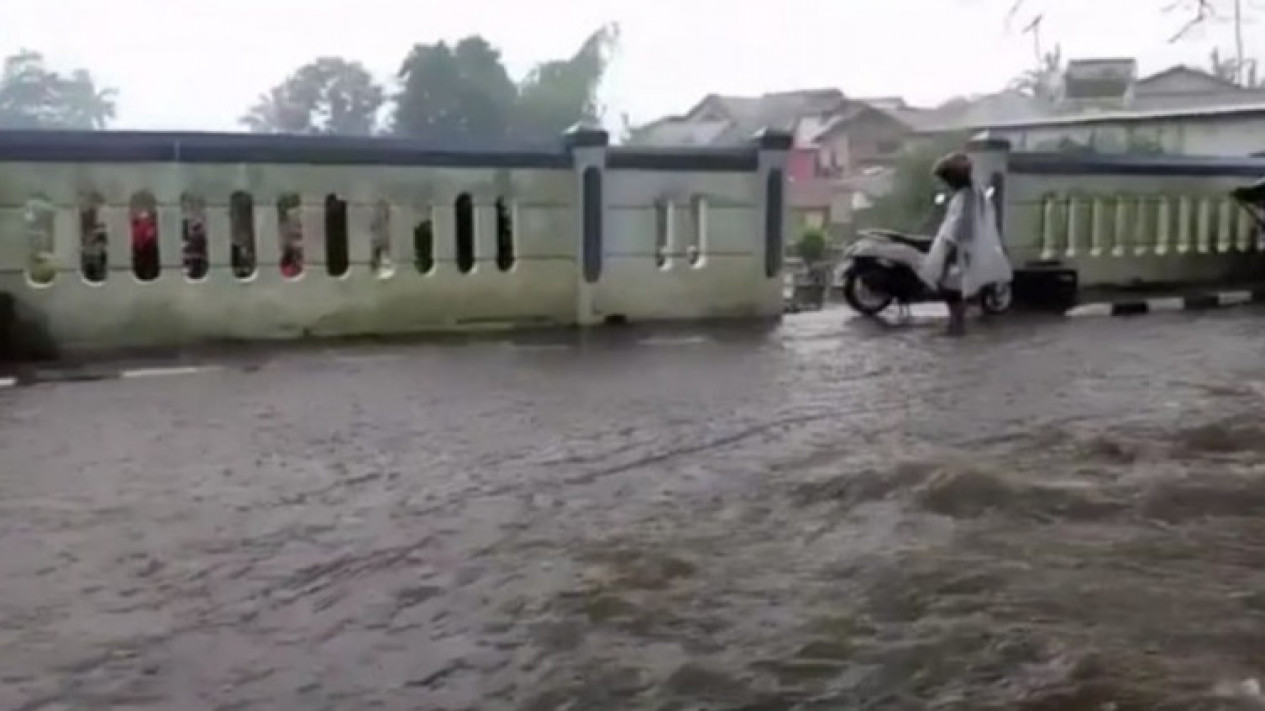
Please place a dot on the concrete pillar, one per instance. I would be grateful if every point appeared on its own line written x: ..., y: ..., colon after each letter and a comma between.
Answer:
x: 588, y: 147
x: 773, y: 147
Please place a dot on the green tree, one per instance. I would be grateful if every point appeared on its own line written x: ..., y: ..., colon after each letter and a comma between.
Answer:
x: 32, y: 96
x: 558, y: 94
x: 454, y: 93
x: 329, y: 95
x: 463, y: 92
x: 811, y: 246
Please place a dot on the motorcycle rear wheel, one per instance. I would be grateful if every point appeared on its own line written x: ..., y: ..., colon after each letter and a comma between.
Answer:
x: 861, y: 299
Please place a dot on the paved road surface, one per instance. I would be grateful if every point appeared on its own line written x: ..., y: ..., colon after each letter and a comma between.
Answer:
x: 1043, y: 516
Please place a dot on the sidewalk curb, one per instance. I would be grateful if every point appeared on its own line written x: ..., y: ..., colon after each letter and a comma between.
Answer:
x: 1161, y: 304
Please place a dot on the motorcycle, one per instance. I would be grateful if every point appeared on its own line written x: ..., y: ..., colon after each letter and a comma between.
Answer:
x: 881, y: 268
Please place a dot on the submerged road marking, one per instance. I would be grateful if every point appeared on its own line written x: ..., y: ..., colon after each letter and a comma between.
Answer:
x: 8, y: 382
x: 1234, y: 298
x: 1091, y: 310
x: 1174, y: 303
x: 678, y: 341
x: 171, y: 370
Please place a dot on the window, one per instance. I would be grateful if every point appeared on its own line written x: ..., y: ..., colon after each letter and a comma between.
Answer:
x: 464, y: 208
x: 337, y: 255
x: 242, y: 250
x: 424, y: 243
x: 146, y: 257
x: 504, y: 236
x: 93, y: 239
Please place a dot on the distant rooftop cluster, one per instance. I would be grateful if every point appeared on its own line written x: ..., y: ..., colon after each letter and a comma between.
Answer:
x: 1086, y: 88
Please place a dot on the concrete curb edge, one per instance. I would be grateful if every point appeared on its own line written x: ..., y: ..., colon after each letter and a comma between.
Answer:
x: 1161, y: 304
x: 70, y: 375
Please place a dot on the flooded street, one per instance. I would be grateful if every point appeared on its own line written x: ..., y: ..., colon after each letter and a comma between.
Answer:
x: 1046, y: 515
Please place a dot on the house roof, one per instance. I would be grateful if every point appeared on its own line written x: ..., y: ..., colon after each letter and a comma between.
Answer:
x: 780, y: 110
x: 974, y: 112
x: 858, y: 110
x: 679, y: 131
x: 1195, y: 71
x: 1202, y: 113
x: 883, y: 102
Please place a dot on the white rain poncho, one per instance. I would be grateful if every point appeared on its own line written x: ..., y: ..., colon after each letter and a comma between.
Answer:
x: 970, y: 225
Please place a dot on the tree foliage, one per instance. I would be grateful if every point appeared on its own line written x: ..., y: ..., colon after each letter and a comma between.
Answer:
x: 811, y: 246
x: 453, y: 93
x: 909, y: 204
x: 558, y: 94
x: 448, y: 93
x: 464, y: 92
x: 32, y: 96
x: 329, y: 95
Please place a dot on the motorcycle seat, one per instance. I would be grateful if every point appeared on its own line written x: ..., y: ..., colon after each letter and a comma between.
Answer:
x: 921, y: 243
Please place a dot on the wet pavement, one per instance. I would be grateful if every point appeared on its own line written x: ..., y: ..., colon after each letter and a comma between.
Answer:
x: 1045, y: 515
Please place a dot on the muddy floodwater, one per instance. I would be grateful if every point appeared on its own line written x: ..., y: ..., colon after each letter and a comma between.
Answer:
x: 1045, y: 516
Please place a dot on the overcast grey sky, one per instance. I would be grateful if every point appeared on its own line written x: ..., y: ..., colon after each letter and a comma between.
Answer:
x: 198, y: 64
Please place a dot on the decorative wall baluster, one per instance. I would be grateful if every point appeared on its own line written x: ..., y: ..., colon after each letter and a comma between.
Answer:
x: 1076, y: 213
x: 1163, y: 224
x: 1185, y: 218
x: 1203, y: 234
x: 1143, y: 225
x: 1097, y: 221
x: 1120, y: 231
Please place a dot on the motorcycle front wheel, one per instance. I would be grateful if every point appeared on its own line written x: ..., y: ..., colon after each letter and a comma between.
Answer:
x: 861, y: 298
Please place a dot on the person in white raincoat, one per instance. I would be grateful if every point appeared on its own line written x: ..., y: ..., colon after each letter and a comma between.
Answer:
x: 967, y: 253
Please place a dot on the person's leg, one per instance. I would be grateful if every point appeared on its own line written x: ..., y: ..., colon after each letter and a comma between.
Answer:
x: 957, y: 311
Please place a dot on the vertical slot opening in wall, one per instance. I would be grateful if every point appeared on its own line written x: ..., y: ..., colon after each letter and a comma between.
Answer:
x: 41, y: 265
x: 464, y: 209
x: 698, y: 231
x: 774, y: 209
x: 684, y: 240
x: 337, y: 254
x: 662, y: 232
x: 290, y: 230
x: 424, y: 243
x: 94, y: 239
x: 380, y: 240
x: 146, y: 256
x: 504, y: 235
x: 242, y: 249
x: 593, y: 223
x: 193, y: 237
